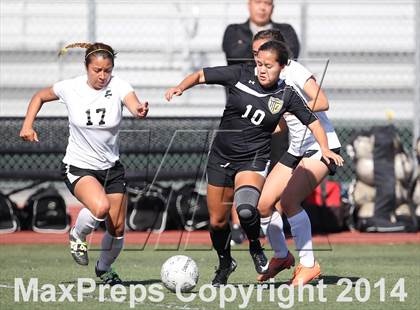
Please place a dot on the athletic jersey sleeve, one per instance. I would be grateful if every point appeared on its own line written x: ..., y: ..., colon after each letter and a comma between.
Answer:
x: 59, y: 89
x: 124, y: 88
x: 223, y: 75
x: 298, y: 74
x: 295, y: 104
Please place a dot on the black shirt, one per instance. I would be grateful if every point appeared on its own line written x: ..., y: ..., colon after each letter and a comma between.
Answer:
x: 237, y: 41
x: 251, y: 113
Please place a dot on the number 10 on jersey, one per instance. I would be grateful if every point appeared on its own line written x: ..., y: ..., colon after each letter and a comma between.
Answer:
x: 256, y: 118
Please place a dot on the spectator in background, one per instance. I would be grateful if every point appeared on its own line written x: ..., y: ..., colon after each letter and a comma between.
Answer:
x: 237, y: 39
x: 237, y: 46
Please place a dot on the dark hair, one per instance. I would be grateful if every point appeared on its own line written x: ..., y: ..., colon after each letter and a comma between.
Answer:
x: 279, y: 48
x: 270, y: 34
x: 92, y: 49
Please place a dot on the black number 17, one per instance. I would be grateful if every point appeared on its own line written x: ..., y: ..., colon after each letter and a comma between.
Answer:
x: 89, y: 120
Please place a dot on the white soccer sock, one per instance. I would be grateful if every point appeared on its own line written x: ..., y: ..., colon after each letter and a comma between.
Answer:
x: 111, y: 248
x: 301, y: 232
x: 273, y: 229
x: 85, y: 224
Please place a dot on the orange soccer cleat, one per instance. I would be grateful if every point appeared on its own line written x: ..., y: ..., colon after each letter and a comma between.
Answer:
x: 276, y: 265
x: 303, y: 275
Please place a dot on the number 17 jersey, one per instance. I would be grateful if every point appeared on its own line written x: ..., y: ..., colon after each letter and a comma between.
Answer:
x: 94, y: 121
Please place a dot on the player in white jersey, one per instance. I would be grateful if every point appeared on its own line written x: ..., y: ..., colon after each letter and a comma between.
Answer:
x: 295, y: 176
x: 91, y: 166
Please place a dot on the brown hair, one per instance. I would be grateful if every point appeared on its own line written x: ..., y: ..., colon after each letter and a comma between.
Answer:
x: 270, y: 34
x: 92, y: 49
x: 279, y: 48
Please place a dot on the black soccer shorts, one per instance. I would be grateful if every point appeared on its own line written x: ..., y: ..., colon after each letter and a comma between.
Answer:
x: 292, y: 161
x: 112, y: 179
x: 221, y: 172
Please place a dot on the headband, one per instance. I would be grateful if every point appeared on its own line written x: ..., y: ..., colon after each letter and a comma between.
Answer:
x: 98, y: 50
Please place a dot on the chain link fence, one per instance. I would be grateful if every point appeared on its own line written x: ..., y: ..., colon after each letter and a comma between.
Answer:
x: 154, y: 149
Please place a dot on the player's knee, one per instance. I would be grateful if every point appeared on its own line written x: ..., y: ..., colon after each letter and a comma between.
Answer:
x: 246, y: 201
x: 247, y: 213
x: 265, y: 208
x: 265, y: 212
x: 101, y: 208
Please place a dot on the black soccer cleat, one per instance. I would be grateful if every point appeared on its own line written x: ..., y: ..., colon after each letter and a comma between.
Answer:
x: 78, y: 250
x: 260, y: 260
x: 222, y: 274
x: 108, y: 277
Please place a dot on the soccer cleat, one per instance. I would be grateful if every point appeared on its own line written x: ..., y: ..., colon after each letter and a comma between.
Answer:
x: 260, y: 260
x: 108, y: 277
x: 78, y: 249
x: 276, y: 265
x: 303, y: 275
x: 222, y: 274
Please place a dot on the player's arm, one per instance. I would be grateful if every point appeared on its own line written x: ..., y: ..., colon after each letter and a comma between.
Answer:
x: 321, y: 138
x: 27, y: 132
x: 137, y: 109
x: 297, y: 106
x: 319, y: 101
x: 190, y: 81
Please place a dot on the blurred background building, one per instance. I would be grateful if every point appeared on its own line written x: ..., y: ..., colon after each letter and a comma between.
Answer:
x: 372, y: 47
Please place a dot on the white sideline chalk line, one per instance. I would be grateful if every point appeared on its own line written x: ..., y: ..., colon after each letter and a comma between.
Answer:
x: 158, y: 305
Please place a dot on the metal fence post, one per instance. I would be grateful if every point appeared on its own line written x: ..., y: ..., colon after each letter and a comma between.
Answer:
x: 303, y: 31
x: 91, y: 20
x: 416, y: 105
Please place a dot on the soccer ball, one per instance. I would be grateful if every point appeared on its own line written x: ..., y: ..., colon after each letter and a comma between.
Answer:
x: 181, y: 271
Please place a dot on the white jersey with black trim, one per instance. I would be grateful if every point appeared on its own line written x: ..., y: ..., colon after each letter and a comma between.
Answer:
x: 94, y: 121
x: 300, y: 137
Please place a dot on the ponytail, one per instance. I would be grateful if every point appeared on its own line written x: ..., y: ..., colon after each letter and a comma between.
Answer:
x: 64, y: 50
x: 97, y: 48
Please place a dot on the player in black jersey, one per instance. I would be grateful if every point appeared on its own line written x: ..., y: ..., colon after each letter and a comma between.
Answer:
x: 239, y: 156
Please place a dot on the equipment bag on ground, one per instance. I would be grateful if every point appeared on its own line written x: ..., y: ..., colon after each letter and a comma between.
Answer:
x: 380, y: 192
x: 190, y: 209
x: 8, y: 219
x: 47, y: 211
x: 147, y: 208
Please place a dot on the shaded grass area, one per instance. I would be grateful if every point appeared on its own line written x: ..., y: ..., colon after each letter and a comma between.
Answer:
x: 363, y: 265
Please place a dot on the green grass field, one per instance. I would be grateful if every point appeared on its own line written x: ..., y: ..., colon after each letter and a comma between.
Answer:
x: 364, y: 265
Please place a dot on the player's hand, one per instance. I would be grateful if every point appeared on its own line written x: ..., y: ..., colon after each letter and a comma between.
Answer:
x: 330, y: 155
x: 142, y: 109
x: 28, y: 134
x: 173, y: 91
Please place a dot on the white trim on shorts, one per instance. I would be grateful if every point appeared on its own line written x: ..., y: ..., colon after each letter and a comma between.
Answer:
x: 264, y: 172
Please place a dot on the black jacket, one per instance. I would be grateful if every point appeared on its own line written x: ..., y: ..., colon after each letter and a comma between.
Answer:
x: 237, y: 41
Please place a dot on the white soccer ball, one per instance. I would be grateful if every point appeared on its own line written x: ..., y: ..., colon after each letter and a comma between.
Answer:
x: 181, y: 271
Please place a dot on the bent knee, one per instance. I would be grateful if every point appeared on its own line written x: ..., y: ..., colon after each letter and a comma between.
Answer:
x: 265, y: 208
x: 101, y: 209
x: 247, y: 213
